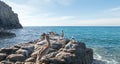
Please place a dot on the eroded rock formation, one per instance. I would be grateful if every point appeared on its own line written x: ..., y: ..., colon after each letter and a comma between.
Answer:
x: 8, y: 19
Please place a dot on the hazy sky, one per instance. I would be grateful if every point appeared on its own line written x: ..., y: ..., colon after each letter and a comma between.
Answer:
x: 67, y: 12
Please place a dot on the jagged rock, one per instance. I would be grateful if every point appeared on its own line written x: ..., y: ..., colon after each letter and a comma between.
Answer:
x: 17, y: 46
x: 3, y: 56
x: 81, y: 45
x: 23, y: 52
x: 89, y: 53
x: 56, y: 46
x: 8, y: 50
x: 29, y: 48
x: 16, y: 57
x: 6, y: 62
x: 77, y: 54
x: 53, y: 61
x: 8, y: 19
x: 52, y: 50
x: 19, y: 62
x: 68, y: 57
x: 50, y: 55
x: 31, y: 59
x: 64, y: 41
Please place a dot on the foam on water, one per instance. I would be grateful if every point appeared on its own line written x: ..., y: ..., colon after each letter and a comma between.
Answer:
x: 101, y: 60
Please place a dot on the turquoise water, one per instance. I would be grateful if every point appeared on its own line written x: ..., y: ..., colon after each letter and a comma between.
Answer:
x: 104, y: 40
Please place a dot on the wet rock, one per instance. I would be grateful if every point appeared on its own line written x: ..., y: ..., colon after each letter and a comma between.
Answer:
x: 16, y: 57
x: 3, y: 56
x: 56, y: 46
x: 52, y: 50
x: 8, y: 50
x: 30, y: 48
x: 23, y: 52
x: 53, y: 61
x: 19, y: 62
x: 64, y: 41
x: 68, y: 57
x: 81, y: 45
x: 89, y: 53
x: 6, y: 62
x: 17, y: 46
x: 31, y: 59
x: 50, y: 55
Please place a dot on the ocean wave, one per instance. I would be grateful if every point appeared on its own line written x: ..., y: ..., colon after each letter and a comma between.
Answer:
x: 98, y: 59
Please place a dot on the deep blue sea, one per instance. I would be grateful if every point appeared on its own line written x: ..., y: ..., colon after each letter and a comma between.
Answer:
x: 105, y: 41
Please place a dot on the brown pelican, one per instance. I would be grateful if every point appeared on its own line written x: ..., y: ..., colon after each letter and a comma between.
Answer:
x: 44, y: 50
x: 62, y: 35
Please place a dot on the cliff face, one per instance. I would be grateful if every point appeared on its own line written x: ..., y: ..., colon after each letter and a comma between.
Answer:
x: 8, y: 19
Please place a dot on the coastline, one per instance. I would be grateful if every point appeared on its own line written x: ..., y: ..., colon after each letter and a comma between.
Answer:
x: 80, y: 54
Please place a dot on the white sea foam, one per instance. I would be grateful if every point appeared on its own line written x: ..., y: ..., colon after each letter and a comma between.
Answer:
x: 100, y: 60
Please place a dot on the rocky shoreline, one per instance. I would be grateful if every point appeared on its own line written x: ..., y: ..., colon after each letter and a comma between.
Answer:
x: 61, y: 51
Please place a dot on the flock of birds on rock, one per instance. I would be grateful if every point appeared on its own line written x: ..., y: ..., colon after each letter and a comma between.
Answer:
x: 49, y: 48
x: 46, y: 39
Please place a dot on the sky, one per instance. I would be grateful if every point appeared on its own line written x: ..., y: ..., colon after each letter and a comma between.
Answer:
x: 67, y: 12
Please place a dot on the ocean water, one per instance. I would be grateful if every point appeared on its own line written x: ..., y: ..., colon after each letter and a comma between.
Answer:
x: 105, y: 41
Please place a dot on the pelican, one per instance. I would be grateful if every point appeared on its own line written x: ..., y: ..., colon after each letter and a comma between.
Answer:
x: 62, y: 35
x: 70, y: 44
x: 44, y: 50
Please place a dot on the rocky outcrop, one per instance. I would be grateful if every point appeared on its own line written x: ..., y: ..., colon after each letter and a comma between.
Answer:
x: 62, y: 51
x: 5, y: 34
x: 8, y: 19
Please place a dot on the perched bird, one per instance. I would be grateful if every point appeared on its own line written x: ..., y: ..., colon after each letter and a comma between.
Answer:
x: 72, y: 39
x: 62, y: 35
x: 44, y: 50
x: 70, y: 44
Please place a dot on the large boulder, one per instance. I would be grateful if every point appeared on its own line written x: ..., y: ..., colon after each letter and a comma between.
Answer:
x: 3, y: 56
x: 5, y: 34
x: 8, y: 19
x: 23, y: 52
x: 77, y: 53
x: 16, y: 57
x: 68, y: 57
x: 8, y: 50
